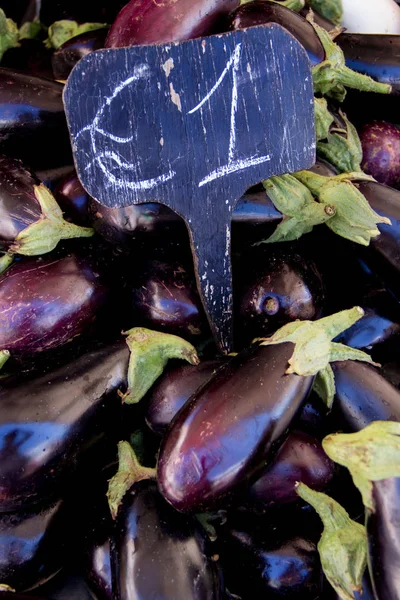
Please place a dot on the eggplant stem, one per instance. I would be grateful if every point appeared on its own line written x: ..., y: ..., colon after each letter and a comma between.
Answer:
x: 5, y: 261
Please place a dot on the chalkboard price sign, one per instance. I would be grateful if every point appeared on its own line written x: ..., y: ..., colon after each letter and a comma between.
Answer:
x: 193, y: 125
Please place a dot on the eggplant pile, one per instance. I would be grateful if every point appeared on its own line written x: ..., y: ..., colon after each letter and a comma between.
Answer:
x: 136, y: 461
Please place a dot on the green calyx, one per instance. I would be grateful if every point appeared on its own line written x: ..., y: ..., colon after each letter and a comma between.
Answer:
x: 295, y: 5
x: 331, y: 76
x: 343, y: 545
x: 342, y: 147
x: 31, y: 30
x: 6, y: 261
x: 130, y: 471
x: 329, y: 9
x: 62, y: 31
x: 43, y: 235
x: 354, y: 219
x: 371, y: 454
x: 4, y: 356
x: 6, y: 588
x: 8, y: 34
x: 149, y: 354
x: 314, y: 349
x: 323, y: 118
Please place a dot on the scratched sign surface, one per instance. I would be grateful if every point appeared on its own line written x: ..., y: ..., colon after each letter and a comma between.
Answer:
x: 193, y: 125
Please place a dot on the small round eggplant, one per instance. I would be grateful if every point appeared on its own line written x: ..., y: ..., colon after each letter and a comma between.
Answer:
x: 160, y: 553
x: 46, y: 302
x: 164, y: 297
x: 33, y: 127
x: 281, y: 287
x: 30, y: 57
x: 173, y: 390
x: 73, y: 199
x: 300, y: 458
x: 380, y: 143
x: 70, y: 53
x: 218, y: 440
x: 260, y: 13
x: 47, y: 422
x: 149, y: 22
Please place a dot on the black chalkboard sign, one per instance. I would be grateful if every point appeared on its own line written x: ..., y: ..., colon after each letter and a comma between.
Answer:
x: 193, y: 125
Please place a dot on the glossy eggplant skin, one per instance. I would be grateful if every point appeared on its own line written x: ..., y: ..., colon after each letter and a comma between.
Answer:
x: 161, y: 553
x: 260, y: 13
x: 70, y: 53
x: 281, y: 287
x: 173, y: 389
x: 300, y: 458
x: 47, y: 422
x: 383, y: 529
x: 33, y: 127
x: 73, y: 199
x: 46, y: 302
x: 218, y: 440
x: 97, y: 551
x: 362, y: 396
x: 148, y: 22
x: 376, y: 55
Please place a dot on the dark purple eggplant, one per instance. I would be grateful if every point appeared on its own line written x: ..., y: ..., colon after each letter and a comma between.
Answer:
x: 33, y: 127
x: 217, y: 441
x: 300, y: 458
x: 260, y: 12
x: 160, y: 553
x: 73, y: 199
x: 97, y: 552
x: 30, y: 57
x: 362, y: 396
x: 383, y: 529
x: 46, y: 302
x: 65, y: 58
x: 148, y: 22
x: 282, y: 286
x: 391, y: 372
x: 47, y: 422
x: 173, y: 389
x: 380, y: 143
x: 164, y: 297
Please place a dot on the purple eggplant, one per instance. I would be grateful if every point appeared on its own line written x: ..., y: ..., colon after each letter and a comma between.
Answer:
x: 160, y: 553
x: 70, y: 53
x: 380, y: 143
x: 312, y: 418
x: 173, y: 389
x: 260, y: 12
x: 148, y: 22
x: 217, y: 441
x: 73, y: 199
x: 33, y: 127
x: 282, y: 287
x: 98, y: 574
x: 46, y: 302
x: 391, y: 372
x: 300, y: 458
x: 47, y: 422
x: 30, y: 57
x: 362, y: 396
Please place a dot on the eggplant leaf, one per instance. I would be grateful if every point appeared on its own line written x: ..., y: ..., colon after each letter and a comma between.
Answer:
x: 150, y: 352
x: 370, y: 455
x: 343, y: 544
x: 324, y: 385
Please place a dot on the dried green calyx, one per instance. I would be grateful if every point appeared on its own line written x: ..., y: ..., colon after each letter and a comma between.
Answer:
x: 62, y: 31
x: 342, y: 147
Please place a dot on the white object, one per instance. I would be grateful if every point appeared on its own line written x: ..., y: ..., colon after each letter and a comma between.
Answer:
x: 371, y: 16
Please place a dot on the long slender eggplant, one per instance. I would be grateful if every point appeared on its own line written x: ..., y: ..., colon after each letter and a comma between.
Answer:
x: 362, y: 396
x: 281, y: 287
x: 46, y: 302
x: 384, y: 539
x: 217, y: 441
x: 48, y: 421
x: 148, y: 22
x: 73, y: 199
x: 65, y: 58
x: 160, y: 553
x: 30, y: 57
x: 173, y: 389
x: 260, y: 12
x: 33, y: 127
x: 300, y: 458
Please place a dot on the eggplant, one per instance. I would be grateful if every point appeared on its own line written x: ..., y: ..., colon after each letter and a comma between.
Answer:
x: 281, y: 287
x: 383, y: 531
x: 362, y: 396
x: 300, y: 458
x: 47, y: 423
x: 46, y: 303
x: 217, y: 441
x: 30, y: 57
x: 160, y: 553
x: 52, y: 177
x: 391, y: 372
x: 73, y: 199
x: 312, y: 417
x: 148, y: 22
x: 380, y: 142
x: 173, y: 389
x: 260, y: 12
x: 164, y: 297
x: 70, y: 53
x: 98, y: 575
